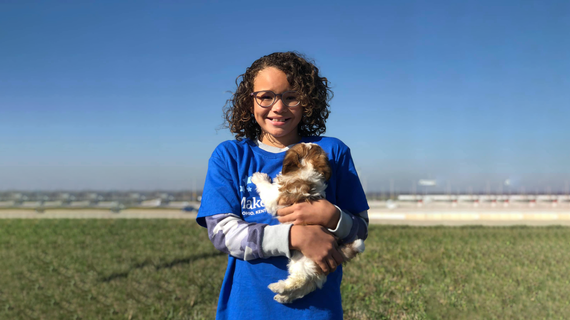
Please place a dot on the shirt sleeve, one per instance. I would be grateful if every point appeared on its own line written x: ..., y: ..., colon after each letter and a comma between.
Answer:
x: 350, y: 200
x: 351, y: 227
x: 220, y: 189
x: 247, y: 241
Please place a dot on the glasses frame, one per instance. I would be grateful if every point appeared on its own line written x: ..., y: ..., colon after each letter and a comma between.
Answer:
x: 276, y: 95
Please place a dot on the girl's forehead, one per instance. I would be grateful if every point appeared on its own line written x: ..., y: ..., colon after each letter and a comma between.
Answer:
x: 270, y: 71
x: 270, y: 77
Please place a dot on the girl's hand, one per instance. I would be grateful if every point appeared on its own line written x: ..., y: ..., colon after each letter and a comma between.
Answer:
x: 320, y: 212
x: 317, y: 244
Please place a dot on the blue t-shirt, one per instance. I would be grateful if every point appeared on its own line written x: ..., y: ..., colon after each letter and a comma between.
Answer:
x: 228, y: 189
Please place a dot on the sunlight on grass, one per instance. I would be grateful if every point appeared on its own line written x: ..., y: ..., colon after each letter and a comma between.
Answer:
x: 168, y: 269
x: 460, y: 273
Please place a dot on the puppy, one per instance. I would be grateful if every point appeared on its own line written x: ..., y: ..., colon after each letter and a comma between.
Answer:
x: 303, y: 178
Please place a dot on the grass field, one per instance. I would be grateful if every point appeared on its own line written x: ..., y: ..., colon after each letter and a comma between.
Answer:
x: 167, y: 269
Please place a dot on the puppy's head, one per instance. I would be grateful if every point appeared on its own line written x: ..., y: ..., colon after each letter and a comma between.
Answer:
x: 302, y: 154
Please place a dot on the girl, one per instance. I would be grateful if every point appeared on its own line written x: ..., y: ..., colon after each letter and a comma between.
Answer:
x: 280, y: 100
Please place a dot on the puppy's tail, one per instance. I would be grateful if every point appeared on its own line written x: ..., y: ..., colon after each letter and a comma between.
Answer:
x: 352, y: 249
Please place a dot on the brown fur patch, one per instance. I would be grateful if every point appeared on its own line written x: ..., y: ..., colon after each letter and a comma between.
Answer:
x: 311, y: 153
x: 296, y: 190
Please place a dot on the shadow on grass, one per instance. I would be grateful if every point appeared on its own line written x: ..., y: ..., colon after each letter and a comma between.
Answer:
x: 166, y: 265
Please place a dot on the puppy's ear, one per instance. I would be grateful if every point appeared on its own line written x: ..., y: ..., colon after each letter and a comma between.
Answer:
x: 326, y: 169
x: 321, y: 164
x: 292, y: 161
x: 320, y: 161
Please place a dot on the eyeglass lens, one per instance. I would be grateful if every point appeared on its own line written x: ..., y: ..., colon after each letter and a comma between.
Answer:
x: 268, y: 98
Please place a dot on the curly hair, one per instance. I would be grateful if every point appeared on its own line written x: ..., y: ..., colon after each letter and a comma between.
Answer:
x: 302, y: 75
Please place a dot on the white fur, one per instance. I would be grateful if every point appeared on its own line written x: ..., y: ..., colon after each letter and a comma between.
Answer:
x: 358, y: 245
x: 303, y: 279
x: 304, y: 276
x: 268, y: 192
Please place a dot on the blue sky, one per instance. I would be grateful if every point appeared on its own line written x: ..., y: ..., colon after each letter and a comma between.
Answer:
x: 129, y: 95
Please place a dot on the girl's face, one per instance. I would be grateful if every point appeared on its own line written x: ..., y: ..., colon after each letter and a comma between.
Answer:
x: 278, y: 123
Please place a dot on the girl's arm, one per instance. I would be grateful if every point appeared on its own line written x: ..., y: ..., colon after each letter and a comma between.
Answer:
x: 342, y: 224
x: 351, y: 226
x: 249, y: 241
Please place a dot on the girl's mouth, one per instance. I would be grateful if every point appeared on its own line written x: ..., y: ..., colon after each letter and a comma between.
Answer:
x: 278, y: 120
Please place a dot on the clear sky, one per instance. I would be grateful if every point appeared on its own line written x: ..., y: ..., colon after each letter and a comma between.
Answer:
x: 129, y: 94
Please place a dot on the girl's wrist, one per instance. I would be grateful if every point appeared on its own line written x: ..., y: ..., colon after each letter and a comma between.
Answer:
x: 294, y: 238
x: 333, y: 222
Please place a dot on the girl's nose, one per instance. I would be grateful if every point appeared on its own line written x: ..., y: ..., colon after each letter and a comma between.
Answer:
x: 279, y: 106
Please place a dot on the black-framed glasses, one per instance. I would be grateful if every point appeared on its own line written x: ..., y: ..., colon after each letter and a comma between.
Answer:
x: 266, y: 98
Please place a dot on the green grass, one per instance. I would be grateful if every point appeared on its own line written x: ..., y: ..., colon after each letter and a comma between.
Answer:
x: 107, y: 269
x: 461, y: 273
x: 168, y: 269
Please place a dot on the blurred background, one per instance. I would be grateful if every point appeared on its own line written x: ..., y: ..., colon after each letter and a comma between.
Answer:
x: 102, y: 101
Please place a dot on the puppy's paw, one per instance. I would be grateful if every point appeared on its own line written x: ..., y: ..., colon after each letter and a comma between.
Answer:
x: 283, y: 298
x: 260, y: 177
x: 277, y: 287
x: 358, y: 245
